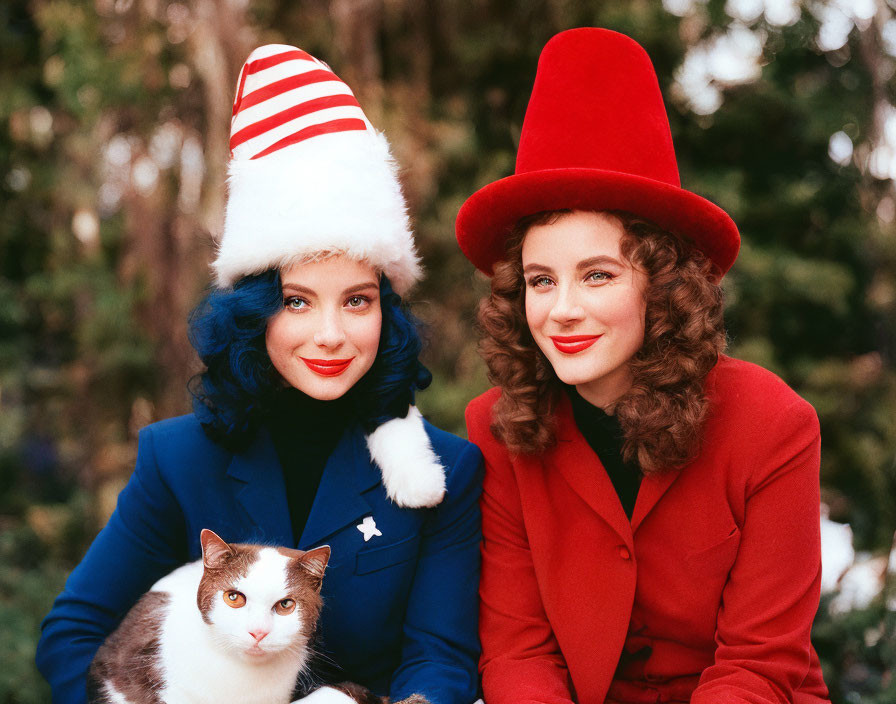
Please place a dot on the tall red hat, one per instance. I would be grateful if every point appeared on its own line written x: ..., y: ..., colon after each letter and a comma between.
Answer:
x: 595, y: 137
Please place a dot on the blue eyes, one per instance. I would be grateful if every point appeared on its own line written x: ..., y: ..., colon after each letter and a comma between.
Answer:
x: 297, y: 303
x: 594, y: 277
x: 294, y: 303
x: 598, y: 276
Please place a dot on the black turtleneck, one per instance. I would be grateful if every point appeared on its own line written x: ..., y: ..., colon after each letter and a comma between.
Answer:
x: 603, y: 434
x: 305, y: 432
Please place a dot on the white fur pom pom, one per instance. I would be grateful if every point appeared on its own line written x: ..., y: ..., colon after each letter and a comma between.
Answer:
x: 412, y: 473
x: 326, y: 695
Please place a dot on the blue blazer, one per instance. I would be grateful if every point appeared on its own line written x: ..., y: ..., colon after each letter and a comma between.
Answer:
x: 400, y: 611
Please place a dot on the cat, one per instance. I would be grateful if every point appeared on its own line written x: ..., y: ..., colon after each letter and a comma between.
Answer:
x: 234, y: 627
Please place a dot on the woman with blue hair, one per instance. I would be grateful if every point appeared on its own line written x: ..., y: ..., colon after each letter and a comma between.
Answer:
x: 304, y: 430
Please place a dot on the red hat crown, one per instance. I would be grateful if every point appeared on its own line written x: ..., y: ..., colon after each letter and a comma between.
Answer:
x: 595, y: 137
x: 601, y: 110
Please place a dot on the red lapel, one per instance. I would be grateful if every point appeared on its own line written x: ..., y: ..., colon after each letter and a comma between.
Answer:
x: 582, y: 470
x: 652, y: 489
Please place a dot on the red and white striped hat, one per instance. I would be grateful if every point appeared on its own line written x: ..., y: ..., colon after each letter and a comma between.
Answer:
x: 308, y: 175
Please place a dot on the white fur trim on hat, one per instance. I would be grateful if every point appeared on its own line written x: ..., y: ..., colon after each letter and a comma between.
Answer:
x: 309, y: 176
x: 412, y: 473
x: 334, y: 193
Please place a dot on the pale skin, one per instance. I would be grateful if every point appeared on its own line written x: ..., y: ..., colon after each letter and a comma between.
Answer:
x: 332, y: 318
x: 585, y: 303
x: 326, y: 336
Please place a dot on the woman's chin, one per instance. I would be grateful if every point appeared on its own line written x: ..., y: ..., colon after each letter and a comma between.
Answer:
x: 324, y: 387
x: 326, y: 394
x: 575, y: 374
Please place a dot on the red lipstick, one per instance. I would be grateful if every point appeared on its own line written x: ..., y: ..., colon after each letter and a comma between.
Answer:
x: 327, y: 367
x: 570, y: 344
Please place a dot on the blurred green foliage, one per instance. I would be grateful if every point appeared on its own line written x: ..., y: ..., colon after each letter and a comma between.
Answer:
x: 113, y: 128
x: 858, y: 653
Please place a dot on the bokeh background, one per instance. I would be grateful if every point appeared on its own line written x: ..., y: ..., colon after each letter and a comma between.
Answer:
x: 114, y: 120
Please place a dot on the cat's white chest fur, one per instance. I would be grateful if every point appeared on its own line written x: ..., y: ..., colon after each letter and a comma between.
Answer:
x: 231, y: 628
x: 203, y: 663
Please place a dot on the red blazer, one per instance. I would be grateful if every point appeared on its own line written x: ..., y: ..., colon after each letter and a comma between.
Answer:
x: 707, y: 595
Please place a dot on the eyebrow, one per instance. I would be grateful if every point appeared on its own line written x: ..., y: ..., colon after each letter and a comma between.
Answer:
x: 584, y: 264
x: 597, y: 261
x: 298, y: 288
x: 362, y: 287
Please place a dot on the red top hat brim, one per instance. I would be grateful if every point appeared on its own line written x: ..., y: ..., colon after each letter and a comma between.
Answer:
x: 595, y: 137
x: 487, y: 217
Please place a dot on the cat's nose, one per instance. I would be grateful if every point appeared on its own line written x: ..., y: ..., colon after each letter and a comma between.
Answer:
x: 258, y: 635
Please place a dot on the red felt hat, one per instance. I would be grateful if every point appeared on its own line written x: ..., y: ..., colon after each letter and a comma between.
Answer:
x: 595, y: 137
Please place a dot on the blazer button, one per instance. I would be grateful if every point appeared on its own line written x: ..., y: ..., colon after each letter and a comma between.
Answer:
x: 624, y: 553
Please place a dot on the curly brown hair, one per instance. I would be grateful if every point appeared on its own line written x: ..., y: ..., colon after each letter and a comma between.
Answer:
x: 662, y: 414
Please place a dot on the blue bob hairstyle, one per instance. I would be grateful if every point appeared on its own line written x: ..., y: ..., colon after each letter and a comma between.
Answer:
x: 227, y: 330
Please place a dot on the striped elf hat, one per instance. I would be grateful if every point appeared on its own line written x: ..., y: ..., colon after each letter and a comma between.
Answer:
x: 308, y: 175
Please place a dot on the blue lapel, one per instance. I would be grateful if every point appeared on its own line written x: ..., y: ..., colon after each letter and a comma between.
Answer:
x: 261, y: 491
x: 349, y: 472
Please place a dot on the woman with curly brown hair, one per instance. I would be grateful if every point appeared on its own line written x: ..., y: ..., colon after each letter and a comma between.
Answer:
x: 650, y: 506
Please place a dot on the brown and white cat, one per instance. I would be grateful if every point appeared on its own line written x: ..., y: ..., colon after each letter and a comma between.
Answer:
x: 232, y: 628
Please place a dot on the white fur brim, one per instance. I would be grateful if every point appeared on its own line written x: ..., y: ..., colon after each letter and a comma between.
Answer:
x: 336, y: 193
x: 412, y: 473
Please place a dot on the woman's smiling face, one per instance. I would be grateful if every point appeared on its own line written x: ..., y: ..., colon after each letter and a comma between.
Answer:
x: 326, y: 336
x: 584, y: 302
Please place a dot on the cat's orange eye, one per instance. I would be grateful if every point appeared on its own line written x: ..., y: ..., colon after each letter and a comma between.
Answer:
x: 234, y: 599
x: 285, y: 606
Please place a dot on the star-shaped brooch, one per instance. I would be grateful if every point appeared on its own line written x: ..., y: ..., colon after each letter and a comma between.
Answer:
x: 368, y: 528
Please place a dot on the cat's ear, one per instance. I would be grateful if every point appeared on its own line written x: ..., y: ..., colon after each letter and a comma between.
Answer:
x: 215, y: 552
x: 315, y: 562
